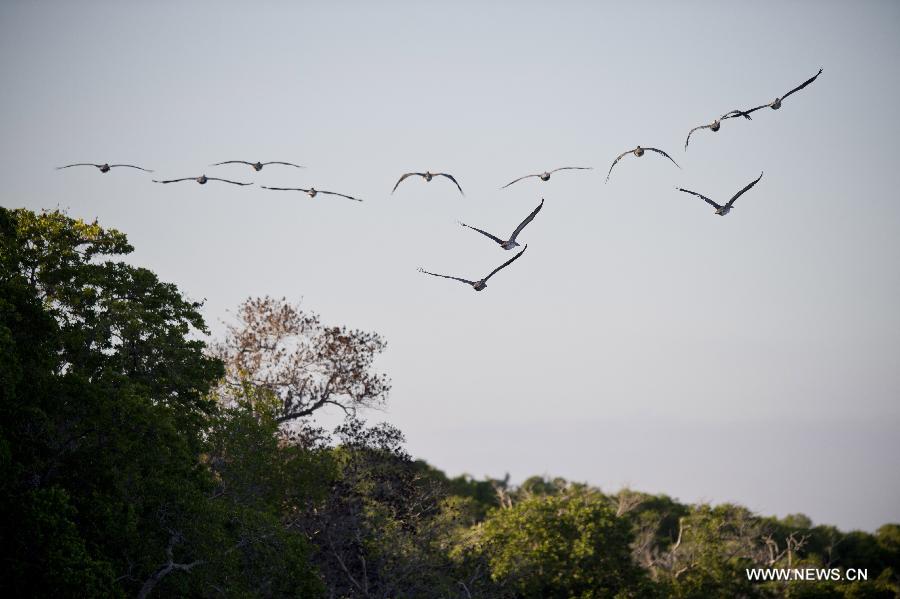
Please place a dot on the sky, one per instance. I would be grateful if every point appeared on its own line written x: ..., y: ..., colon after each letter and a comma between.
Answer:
x: 642, y: 340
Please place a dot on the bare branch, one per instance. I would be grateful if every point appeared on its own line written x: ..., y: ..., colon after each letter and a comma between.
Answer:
x: 277, y: 346
x: 168, y: 568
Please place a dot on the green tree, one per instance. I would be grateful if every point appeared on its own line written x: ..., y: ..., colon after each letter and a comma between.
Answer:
x: 108, y: 432
x: 568, y: 545
x: 713, y: 547
x: 103, y: 409
x: 263, y: 485
x: 383, y: 530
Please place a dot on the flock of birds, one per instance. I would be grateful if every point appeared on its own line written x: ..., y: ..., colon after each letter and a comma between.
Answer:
x: 506, y: 244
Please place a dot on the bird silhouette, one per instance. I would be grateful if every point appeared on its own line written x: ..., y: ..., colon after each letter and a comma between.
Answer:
x: 428, y: 176
x: 511, y: 242
x: 481, y: 283
x: 723, y: 209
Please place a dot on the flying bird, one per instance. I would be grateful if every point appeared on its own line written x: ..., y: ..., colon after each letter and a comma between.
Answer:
x: 202, y: 179
x: 511, y: 242
x: 104, y: 168
x: 716, y: 124
x: 428, y: 176
x: 776, y: 103
x: 638, y: 151
x: 482, y: 283
x: 720, y: 209
x: 545, y: 176
x: 257, y: 166
x: 312, y: 192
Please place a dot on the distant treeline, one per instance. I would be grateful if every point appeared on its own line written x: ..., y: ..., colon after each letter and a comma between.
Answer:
x: 138, y: 460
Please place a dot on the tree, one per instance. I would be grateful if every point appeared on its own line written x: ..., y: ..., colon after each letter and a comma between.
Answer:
x: 108, y: 434
x: 104, y: 405
x: 286, y: 350
x: 262, y: 486
x: 379, y: 531
x: 569, y: 545
x: 708, y: 557
x: 41, y: 546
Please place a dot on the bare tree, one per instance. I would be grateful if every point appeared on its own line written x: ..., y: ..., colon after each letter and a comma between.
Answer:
x: 626, y: 500
x: 501, y: 490
x: 278, y: 346
x: 169, y: 567
x: 793, y: 543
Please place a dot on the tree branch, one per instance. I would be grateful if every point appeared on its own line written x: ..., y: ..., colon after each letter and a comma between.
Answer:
x: 168, y: 568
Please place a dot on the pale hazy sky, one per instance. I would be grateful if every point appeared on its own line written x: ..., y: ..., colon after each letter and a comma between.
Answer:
x: 642, y: 340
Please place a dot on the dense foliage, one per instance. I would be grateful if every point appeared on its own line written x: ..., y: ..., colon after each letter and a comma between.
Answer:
x: 136, y: 461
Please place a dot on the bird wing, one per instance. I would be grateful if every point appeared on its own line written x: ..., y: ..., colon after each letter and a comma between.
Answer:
x: 664, y: 154
x: 146, y: 170
x: 517, y: 180
x: 505, y: 264
x: 176, y: 180
x: 286, y: 188
x: 284, y: 163
x: 622, y: 155
x: 735, y: 113
x: 434, y: 274
x: 747, y: 113
x: 527, y: 220
x: 452, y: 179
x: 572, y: 168
x: 691, y: 132
x: 401, y: 179
x: 703, y: 197
x: 233, y: 162
x: 802, y: 85
x: 78, y: 164
x: 332, y: 193
x: 485, y: 233
x: 227, y: 181
x: 741, y: 192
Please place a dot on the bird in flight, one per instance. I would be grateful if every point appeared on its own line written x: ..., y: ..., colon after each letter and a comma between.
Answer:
x: 638, y: 151
x: 104, y: 168
x: 722, y: 210
x: 545, y: 176
x: 202, y: 179
x: 716, y: 124
x: 312, y: 192
x: 776, y: 103
x: 257, y: 166
x: 511, y: 242
x: 428, y: 176
x: 482, y: 283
